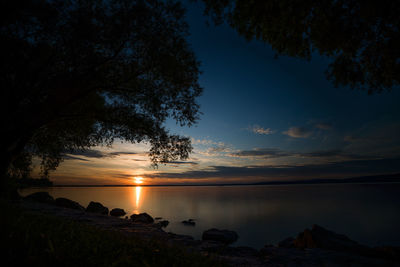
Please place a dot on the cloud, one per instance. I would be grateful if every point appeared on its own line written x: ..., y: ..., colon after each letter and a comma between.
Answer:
x: 375, y: 138
x: 89, y: 153
x: 259, y: 130
x: 323, y: 126
x: 204, y: 142
x: 222, y: 148
x: 343, y: 169
x: 303, y: 132
x: 336, y: 155
x: 261, y: 152
x: 298, y: 132
x: 183, y: 162
x: 209, y: 147
x: 93, y: 153
x: 70, y: 157
x: 323, y: 153
x: 268, y: 153
x: 119, y: 153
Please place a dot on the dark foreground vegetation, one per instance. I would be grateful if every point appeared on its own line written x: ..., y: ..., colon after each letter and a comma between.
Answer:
x: 31, y: 239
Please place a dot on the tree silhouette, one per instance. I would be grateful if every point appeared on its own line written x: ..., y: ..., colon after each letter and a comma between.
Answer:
x: 360, y: 37
x: 80, y: 73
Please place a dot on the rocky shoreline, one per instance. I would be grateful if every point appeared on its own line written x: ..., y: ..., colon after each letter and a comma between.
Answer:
x: 312, y: 247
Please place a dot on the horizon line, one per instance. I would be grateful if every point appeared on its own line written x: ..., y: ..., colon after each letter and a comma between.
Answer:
x: 385, y: 178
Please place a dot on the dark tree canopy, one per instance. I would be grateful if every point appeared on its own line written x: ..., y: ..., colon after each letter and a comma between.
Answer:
x: 79, y: 73
x: 361, y: 37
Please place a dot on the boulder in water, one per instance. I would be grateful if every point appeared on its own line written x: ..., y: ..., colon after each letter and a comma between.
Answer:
x: 117, y: 212
x: 42, y: 197
x: 96, y: 207
x: 319, y: 237
x: 67, y: 203
x: 142, y: 218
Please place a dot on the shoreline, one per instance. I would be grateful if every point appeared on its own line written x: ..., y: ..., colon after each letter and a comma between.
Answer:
x: 283, y: 253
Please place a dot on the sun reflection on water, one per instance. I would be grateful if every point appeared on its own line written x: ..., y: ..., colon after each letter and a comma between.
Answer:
x: 138, y: 190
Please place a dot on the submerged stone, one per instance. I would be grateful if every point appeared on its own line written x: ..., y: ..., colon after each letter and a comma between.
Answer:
x: 164, y: 223
x: 189, y: 222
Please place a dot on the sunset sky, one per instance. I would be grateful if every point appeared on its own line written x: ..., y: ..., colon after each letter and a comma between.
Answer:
x: 264, y: 119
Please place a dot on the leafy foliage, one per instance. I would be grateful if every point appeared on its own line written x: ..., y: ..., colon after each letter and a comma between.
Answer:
x: 361, y: 37
x: 76, y: 74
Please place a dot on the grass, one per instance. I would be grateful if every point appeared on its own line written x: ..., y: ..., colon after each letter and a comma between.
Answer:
x: 44, y: 240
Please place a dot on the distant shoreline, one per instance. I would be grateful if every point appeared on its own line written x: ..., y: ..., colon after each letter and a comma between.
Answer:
x: 373, y: 179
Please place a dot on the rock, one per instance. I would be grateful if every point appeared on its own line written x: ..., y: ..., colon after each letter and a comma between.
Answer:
x: 319, y: 237
x: 157, y: 218
x: 388, y: 252
x: 67, y: 203
x: 223, y: 236
x: 142, y: 218
x: 237, y: 252
x: 97, y: 207
x: 286, y: 243
x: 42, y: 197
x: 189, y: 222
x: 117, y: 212
x: 164, y: 223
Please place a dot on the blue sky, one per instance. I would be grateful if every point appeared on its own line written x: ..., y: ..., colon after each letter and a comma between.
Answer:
x: 245, y: 86
x: 262, y: 115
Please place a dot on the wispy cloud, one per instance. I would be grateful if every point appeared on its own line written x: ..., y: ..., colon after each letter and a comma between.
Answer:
x: 261, y: 152
x: 298, y: 132
x: 120, y: 153
x: 209, y: 147
x: 260, y: 130
x: 89, y: 153
x: 323, y: 126
x: 183, y: 162
x: 70, y: 157
x: 222, y: 148
x: 93, y: 153
x: 205, y: 142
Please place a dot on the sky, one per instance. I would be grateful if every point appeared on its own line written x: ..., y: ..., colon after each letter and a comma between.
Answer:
x: 263, y: 119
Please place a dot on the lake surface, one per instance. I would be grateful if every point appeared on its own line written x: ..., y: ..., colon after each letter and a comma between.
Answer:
x: 367, y: 213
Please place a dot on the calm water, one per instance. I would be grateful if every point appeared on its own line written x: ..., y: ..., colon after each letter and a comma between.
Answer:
x: 368, y: 213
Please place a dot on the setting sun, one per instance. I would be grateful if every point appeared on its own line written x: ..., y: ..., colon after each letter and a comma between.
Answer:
x: 138, y: 180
